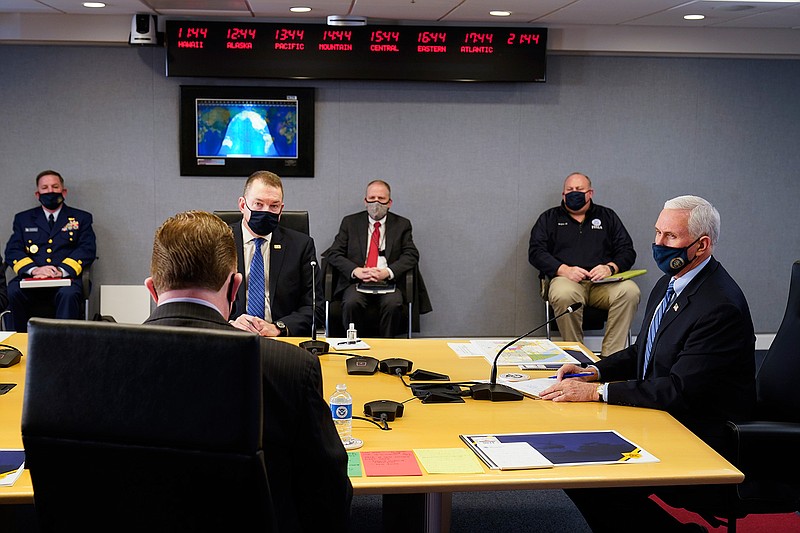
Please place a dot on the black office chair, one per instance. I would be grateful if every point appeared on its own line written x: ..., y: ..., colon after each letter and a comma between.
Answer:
x: 763, y: 448
x: 48, y: 310
x: 296, y: 220
x: 144, y: 428
x: 334, y: 326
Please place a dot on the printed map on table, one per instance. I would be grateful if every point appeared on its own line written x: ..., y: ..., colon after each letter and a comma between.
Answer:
x: 524, y: 351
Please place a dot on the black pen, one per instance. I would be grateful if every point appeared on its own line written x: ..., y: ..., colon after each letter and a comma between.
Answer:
x: 579, y: 375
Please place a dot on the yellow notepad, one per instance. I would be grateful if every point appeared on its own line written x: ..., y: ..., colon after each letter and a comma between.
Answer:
x: 628, y: 274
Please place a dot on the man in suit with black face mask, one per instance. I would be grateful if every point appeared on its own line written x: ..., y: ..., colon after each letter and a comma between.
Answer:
x: 193, y: 279
x: 278, y: 300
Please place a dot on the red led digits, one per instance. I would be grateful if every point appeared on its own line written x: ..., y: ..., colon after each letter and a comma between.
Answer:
x: 477, y: 43
x: 289, y: 39
x: 336, y: 40
x: 191, y: 37
x: 240, y: 38
x: 384, y: 41
x: 523, y: 38
x: 431, y: 42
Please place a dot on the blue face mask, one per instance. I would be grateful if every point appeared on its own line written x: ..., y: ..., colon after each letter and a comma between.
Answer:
x: 262, y: 222
x: 575, y: 200
x: 672, y: 260
x: 51, y: 200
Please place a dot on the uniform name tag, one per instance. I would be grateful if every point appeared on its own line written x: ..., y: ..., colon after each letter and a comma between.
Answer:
x: 28, y: 230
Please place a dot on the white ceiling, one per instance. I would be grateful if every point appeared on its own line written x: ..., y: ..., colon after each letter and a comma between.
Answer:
x: 725, y: 14
x: 730, y: 28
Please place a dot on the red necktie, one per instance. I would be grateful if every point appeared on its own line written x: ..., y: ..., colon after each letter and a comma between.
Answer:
x: 372, y: 255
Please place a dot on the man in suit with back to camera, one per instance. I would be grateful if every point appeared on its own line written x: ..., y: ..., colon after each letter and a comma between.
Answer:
x: 576, y: 244
x: 374, y: 246
x: 193, y: 278
x: 278, y: 302
x: 694, y: 358
x: 51, y: 241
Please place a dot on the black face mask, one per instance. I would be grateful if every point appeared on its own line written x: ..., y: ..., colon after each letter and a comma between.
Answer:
x: 262, y: 222
x: 51, y: 200
x: 575, y: 200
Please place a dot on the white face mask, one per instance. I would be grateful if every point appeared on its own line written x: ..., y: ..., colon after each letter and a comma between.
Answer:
x: 377, y: 210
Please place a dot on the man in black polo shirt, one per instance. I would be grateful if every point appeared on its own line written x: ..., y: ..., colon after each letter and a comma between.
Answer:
x: 576, y: 244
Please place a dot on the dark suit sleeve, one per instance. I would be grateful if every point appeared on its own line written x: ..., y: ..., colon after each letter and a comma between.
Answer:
x: 306, y: 459
x: 297, y: 302
x: 328, y: 466
x: 337, y: 254
x: 404, y: 254
x: 16, y: 255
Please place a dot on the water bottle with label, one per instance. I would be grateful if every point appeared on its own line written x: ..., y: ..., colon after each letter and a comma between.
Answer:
x: 342, y: 412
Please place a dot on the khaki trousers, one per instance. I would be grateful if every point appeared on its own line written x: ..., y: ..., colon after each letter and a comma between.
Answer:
x: 620, y: 299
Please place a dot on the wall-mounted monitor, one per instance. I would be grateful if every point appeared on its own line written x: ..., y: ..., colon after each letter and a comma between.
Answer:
x: 235, y: 131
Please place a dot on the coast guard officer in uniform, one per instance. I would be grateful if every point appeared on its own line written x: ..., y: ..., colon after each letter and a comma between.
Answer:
x: 51, y: 241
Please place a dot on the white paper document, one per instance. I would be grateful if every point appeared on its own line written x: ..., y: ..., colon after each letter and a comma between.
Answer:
x: 343, y: 345
x: 512, y: 455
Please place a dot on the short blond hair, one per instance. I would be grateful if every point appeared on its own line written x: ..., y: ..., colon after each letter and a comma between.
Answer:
x: 193, y: 249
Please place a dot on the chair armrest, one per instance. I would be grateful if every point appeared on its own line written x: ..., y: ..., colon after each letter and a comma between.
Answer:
x: 544, y: 287
x: 86, y: 281
x: 765, y: 449
x: 409, y: 281
x: 329, y: 281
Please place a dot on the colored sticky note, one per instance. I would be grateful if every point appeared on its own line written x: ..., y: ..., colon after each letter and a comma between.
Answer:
x: 448, y: 461
x: 354, y: 464
x: 393, y: 463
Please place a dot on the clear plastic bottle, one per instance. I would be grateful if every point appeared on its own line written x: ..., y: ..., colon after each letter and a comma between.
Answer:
x: 352, y: 334
x: 342, y: 412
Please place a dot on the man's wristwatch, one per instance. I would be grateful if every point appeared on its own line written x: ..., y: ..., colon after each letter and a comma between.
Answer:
x: 600, y: 392
x: 284, y: 331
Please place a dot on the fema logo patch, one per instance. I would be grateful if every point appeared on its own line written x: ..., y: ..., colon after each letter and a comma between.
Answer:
x: 596, y: 224
x: 677, y: 263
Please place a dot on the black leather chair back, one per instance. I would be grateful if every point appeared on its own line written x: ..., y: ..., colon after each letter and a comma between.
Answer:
x: 296, y: 220
x: 776, y: 378
x: 144, y: 428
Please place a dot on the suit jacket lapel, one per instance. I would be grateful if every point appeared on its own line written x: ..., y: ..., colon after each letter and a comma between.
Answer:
x: 684, y: 299
x: 389, y: 236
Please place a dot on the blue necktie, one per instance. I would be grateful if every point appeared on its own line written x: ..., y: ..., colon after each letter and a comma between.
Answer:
x: 255, y: 284
x: 651, y: 333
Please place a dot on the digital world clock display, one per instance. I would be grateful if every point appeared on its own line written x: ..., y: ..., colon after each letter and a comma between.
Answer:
x: 269, y: 50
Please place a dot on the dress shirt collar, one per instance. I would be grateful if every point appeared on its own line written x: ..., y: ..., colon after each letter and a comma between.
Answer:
x: 198, y: 301
x: 54, y: 213
x: 684, y: 280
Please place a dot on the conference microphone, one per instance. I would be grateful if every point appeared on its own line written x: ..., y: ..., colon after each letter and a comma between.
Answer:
x: 501, y: 393
x: 314, y: 346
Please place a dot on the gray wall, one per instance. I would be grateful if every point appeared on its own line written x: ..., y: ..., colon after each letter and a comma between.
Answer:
x: 472, y: 165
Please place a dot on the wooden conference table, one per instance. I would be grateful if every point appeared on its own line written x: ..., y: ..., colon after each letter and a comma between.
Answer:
x: 684, y: 458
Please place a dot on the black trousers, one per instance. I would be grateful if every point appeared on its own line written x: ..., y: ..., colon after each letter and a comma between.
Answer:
x: 380, y: 315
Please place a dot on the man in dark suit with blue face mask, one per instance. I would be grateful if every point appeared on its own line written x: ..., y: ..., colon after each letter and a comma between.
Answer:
x: 50, y: 241
x: 694, y: 358
x: 276, y: 263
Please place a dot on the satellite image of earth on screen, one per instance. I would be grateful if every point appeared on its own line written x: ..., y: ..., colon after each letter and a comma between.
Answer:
x: 237, y: 130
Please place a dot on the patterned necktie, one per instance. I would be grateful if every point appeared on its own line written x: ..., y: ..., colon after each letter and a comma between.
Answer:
x: 374, y: 242
x: 51, y: 220
x: 256, y: 293
x: 651, y: 333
